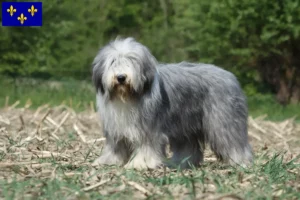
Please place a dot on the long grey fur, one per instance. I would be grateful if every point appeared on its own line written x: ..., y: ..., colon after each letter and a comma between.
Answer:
x: 186, y: 104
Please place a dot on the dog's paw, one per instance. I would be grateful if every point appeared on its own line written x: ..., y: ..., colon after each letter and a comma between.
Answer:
x: 140, y: 163
x: 100, y: 161
x: 137, y: 165
x: 105, y: 160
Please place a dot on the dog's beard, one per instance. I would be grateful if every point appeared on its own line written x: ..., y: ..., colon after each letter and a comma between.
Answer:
x: 122, y: 92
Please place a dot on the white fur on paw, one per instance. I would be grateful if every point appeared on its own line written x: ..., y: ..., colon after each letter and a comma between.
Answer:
x: 144, y: 161
x: 139, y: 165
x: 105, y: 160
x: 98, y: 161
x: 243, y: 159
x: 136, y: 165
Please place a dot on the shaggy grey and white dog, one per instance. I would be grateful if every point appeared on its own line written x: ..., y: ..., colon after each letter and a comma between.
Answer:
x: 144, y: 104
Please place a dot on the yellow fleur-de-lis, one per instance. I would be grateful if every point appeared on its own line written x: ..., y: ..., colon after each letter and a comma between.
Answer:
x: 32, y: 10
x: 22, y: 18
x: 11, y: 10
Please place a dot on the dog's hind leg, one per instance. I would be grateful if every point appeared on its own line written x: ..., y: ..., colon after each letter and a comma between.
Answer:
x: 187, y: 152
x: 232, y: 154
x: 114, y: 153
x: 228, y: 139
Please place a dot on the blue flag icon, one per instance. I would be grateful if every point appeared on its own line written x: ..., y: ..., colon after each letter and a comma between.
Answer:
x: 22, y: 14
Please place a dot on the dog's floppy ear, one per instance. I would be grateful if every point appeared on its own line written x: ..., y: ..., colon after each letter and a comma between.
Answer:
x: 97, y: 67
x: 149, y: 69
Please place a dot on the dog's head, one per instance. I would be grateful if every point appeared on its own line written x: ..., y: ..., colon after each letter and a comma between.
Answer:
x: 123, y: 68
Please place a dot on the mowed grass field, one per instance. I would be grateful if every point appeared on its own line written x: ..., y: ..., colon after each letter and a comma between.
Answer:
x: 50, y: 134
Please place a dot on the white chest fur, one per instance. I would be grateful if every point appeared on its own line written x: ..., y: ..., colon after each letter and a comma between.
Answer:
x: 119, y: 119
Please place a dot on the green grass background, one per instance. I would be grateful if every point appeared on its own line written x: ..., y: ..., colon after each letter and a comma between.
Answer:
x: 80, y: 95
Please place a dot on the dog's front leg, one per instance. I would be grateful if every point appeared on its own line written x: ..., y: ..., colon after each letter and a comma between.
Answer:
x: 147, y: 156
x: 114, y: 153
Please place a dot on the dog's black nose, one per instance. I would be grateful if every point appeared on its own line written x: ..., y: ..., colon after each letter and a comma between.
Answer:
x: 121, y: 78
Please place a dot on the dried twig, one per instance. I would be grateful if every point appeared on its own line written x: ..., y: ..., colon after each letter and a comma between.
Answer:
x: 14, y: 105
x: 86, y: 189
x: 60, y: 124
x: 96, y: 140
x: 10, y: 164
x: 6, y: 101
x: 79, y: 133
x: 37, y: 112
x: 252, y: 134
x: 43, y: 118
x: 137, y: 186
x: 49, y: 154
x: 4, y: 120
x: 49, y: 119
x: 22, y: 123
x: 256, y: 126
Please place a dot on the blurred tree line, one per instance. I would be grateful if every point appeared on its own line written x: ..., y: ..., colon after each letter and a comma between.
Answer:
x: 259, y: 41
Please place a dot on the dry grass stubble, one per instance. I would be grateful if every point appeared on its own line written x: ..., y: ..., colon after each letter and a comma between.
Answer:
x: 47, y: 153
